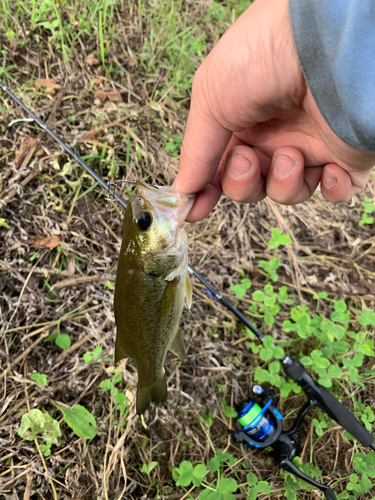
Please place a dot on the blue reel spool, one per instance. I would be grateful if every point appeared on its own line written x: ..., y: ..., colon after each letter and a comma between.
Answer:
x: 261, y: 426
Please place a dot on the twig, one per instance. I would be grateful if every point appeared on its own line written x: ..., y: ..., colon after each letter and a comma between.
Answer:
x: 29, y: 487
x: 109, y: 229
x: 74, y: 347
x: 25, y: 353
x: 80, y: 280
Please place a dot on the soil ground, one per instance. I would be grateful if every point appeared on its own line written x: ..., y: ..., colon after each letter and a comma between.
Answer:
x: 118, y: 92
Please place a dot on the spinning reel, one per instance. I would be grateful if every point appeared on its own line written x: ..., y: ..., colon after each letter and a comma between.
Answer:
x: 262, y: 427
x: 262, y: 423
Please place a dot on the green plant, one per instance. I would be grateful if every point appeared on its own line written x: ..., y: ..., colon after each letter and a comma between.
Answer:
x: 147, y: 468
x: 36, y: 424
x: 173, y: 144
x: 207, y: 417
x: 360, y: 482
x: 366, y: 415
x: 240, y: 288
x: 3, y: 223
x: 368, y: 208
x: 41, y: 378
x: 270, y: 267
x: 109, y: 285
x: 118, y: 396
x: 267, y: 303
x: 212, y: 484
x: 186, y: 474
x: 79, y: 419
x: 62, y: 340
x: 277, y: 238
x: 321, y: 422
x: 272, y: 375
x: 101, y: 38
x: 88, y: 357
x: 257, y: 488
x: 293, y: 484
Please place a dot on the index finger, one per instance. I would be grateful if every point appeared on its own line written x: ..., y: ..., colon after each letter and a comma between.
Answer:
x: 204, y: 143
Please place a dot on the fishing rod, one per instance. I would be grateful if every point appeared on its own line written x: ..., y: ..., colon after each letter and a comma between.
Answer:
x: 261, y: 422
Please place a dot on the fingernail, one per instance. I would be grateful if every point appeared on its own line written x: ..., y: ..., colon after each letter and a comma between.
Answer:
x: 239, y: 166
x: 329, y: 181
x: 283, y: 166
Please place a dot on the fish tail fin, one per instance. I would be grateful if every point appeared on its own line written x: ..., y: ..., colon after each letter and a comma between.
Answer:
x: 156, y: 393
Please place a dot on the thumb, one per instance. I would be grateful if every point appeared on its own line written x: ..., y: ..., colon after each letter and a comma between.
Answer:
x: 204, y: 142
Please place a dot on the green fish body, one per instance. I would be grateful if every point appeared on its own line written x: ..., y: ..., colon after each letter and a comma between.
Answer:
x: 151, y: 286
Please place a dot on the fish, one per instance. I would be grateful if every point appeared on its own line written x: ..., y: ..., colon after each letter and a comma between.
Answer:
x: 152, y: 285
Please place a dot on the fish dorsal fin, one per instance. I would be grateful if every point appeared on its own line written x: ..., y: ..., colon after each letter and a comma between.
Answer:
x: 169, y: 296
x: 178, y: 347
x: 188, y: 291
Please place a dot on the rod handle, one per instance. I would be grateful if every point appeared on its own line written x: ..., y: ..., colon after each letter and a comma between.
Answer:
x: 297, y: 372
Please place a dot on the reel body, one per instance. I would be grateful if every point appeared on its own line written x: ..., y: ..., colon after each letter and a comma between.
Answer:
x: 262, y: 428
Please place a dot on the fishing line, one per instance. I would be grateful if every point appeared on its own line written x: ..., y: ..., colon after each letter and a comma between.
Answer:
x: 261, y: 421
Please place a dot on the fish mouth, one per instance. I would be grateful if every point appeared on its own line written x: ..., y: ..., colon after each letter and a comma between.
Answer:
x: 165, y: 202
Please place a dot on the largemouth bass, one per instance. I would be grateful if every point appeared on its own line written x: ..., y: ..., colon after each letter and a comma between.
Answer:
x: 151, y: 285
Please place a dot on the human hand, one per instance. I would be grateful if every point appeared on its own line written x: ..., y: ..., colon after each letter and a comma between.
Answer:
x: 251, y: 91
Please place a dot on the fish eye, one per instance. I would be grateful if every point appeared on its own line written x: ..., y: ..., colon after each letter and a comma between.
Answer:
x: 144, y: 220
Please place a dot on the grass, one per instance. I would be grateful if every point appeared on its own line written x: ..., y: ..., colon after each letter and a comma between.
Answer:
x: 304, y: 275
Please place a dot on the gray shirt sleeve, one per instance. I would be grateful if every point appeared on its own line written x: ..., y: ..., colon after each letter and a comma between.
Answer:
x: 335, y: 41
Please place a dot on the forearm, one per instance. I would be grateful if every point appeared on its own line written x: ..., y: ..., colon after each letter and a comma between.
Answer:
x: 335, y: 41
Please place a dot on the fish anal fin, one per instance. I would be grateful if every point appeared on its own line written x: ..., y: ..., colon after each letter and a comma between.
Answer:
x: 178, y: 347
x: 121, y: 350
x: 156, y: 393
x: 188, y: 291
x: 169, y: 296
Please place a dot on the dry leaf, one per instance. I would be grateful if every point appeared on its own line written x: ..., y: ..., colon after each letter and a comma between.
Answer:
x: 115, y: 96
x: 112, y: 96
x: 49, y: 243
x: 48, y: 84
x: 91, y: 134
x: 100, y: 94
x: 129, y: 396
x: 92, y: 60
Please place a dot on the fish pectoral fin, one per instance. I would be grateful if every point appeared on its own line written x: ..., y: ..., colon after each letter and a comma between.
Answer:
x: 178, y: 346
x: 168, y: 296
x: 182, y: 267
x: 188, y: 291
x: 156, y: 393
x: 121, y: 350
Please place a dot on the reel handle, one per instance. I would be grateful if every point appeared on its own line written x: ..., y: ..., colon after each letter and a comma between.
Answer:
x: 287, y: 465
x: 297, y: 372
